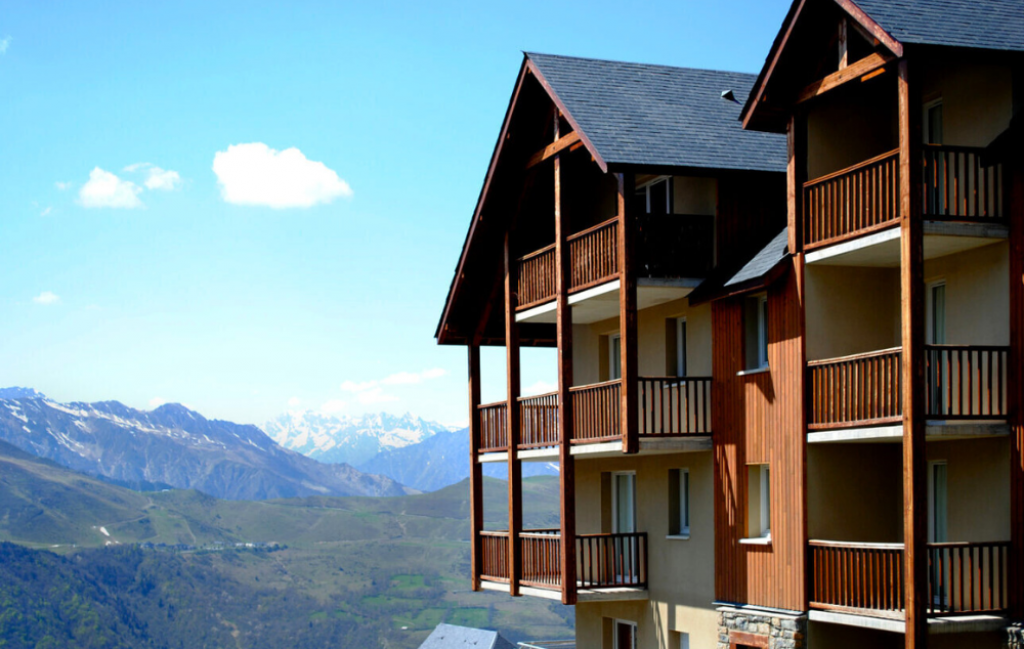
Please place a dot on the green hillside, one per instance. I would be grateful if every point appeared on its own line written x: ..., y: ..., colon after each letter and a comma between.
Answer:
x: 352, y: 571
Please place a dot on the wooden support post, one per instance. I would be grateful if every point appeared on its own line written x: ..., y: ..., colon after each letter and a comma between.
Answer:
x: 627, y: 315
x: 1015, y: 391
x: 476, y: 477
x: 844, y: 51
x: 515, y: 467
x: 912, y: 333
x: 566, y: 462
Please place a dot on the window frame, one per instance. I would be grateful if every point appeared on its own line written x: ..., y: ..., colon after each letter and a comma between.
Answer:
x: 615, y: 501
x: 681, y: 332
x: 932, y: 501
x: 669, y: 193
x: 762, y: 332
x: 615, y: 633
x: 766, y: 501
x: 614, y: 358
x: 684, y: 502
x: 926, y: 121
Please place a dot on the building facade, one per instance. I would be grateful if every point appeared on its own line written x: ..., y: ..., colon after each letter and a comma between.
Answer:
x: 788, y: 312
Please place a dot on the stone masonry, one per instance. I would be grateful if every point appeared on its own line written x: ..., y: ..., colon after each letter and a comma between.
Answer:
x: 1015, y: 636
x: 783, y: 631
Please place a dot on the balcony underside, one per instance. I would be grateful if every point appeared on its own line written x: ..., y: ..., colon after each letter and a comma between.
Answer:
x: 881, y: 249
x: 648, y: 446
x: 936, y: 625
x: 936, y: 431
x: 602, y: 302
x: 583, y: 595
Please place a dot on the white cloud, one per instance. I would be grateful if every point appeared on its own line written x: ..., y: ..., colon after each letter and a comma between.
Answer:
x: 62, y: 186
x: 156, y: 178
x: 294, y: 402
x: 5, y: 42
x: 540, y: 387
x: 375, y: 395
x: 46, y: 211
x: 156, y: 402
x: 104, y: 189
x: 372, y: 392
x: 255, y: 174
x: 332, y: 406
x: 47, y: 298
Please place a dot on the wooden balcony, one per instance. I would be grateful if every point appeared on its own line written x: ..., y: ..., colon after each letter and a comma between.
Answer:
x: 670, y: 407
x: 962, y: 383
x: 667, y: 246
x: 867, y: 578
x: 865, y: 197
x: 602, y: 560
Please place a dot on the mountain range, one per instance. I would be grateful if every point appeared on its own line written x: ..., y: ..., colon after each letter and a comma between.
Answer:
x: 174, y: 446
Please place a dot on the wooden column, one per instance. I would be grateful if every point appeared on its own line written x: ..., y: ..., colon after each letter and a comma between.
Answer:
x: 515, y: 467
x: 1015, y: 392
x: 566, y: 463
x: 627, y: 315
x: 476, y: 477
x: 795, y: 175
x: 912, y: 332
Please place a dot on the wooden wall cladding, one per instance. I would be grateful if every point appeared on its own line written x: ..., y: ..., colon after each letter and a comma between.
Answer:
x: 759, y: 418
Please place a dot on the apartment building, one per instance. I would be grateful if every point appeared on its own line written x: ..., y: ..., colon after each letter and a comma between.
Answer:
x: 789, y: 321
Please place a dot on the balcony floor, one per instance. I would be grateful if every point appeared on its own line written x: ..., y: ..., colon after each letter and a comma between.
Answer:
x: 936, y: 431
x: 583, y: 596
x: 882, y: 249
x: 602, y: 301
x: 648, y: 446
x: 936, y: 625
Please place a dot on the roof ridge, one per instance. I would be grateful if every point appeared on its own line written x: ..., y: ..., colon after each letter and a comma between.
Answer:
x: 637, y: 63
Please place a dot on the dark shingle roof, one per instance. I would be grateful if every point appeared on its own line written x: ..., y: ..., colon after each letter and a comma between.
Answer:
x: 985, y: 24
x: 450, y: 636
x: 765, y: 260
x: 654, y: 115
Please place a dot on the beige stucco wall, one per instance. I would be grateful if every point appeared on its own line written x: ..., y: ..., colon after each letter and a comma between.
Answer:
x: 590, y: 351
x: 851, y: 125
x: 680, y: 572
x: 977, y: 98
x: 977, y: 294
x: 978, y: 486
x: 851, y: 310
x: 855, y: 491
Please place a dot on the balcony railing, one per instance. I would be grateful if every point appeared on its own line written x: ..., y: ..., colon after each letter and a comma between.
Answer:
x: 596, y: 412
x: 602, y: 560
x: 493, y: 427
x: 958, y: 187
x: 865, y: 197
x: 857, y: 390
x: 539, y: 421
x: 867, y: 578
x: 611, y: 560
x: 542, y: 552
x: 854, y: 201
x: 966, y: 382
x: 593, y: 259
x: 494, y: 551
x: 675, y: 406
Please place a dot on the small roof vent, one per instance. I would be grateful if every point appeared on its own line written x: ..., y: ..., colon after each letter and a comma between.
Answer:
x: 728, y: 95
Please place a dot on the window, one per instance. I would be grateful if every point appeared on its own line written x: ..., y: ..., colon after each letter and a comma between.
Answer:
x: 614, y: 357
x: 684, y: 640
x: 755, y: 324
x: 623, y: 502
x: 655, y: 197
x: 938, y: 520
x: 932, y: 126
x: 936, y: 308
x: 625, y: 635
x: 681, y: 347
x: 679, y: 502
x: 759, y: 512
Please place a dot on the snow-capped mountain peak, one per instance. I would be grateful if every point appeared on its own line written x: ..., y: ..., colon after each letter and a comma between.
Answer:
x: 346, y: 438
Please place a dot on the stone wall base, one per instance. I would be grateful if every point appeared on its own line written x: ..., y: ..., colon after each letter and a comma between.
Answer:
x: 1015, y: 636
x: 776, y: 631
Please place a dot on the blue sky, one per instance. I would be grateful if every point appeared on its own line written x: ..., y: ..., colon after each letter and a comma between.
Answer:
x: 131, y: 270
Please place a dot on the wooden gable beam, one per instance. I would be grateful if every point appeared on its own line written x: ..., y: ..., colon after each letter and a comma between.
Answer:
x: 553, y: 149
x: 535, y: 71
x: 871, y: 27
x: 861, y: 69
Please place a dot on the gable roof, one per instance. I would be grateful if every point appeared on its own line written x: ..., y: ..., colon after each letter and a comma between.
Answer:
x: 636, y: 114
x: 983, y: 24
x: 450, y: 636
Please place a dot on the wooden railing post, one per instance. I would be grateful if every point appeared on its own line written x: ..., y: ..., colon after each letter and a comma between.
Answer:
x: 515, y: 467
x: 912, y: 334
x: 627, y: 314
x: 476, y: 478
x: 566, y: 463
x: 1015, y: 387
